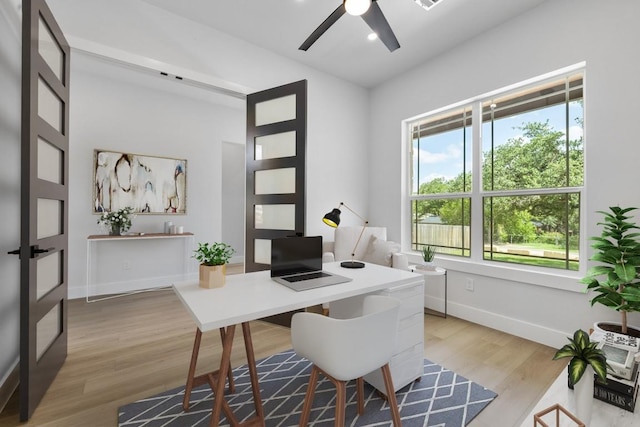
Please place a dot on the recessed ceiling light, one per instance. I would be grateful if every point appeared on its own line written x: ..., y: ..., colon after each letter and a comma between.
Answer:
x: 372, y: 36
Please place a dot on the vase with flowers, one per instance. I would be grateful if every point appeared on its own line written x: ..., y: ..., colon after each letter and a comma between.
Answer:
x: 117, y: 222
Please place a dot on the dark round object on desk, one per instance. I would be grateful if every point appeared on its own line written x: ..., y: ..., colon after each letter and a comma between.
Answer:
x: 352, y: 264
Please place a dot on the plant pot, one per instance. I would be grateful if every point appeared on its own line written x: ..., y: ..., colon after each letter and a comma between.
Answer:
x: 616, y: 327
x: 212, y: 276
x: 428, y: 265
x: 583, y: 395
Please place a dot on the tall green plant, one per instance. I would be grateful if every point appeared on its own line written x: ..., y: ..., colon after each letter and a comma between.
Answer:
x: 615, y: 281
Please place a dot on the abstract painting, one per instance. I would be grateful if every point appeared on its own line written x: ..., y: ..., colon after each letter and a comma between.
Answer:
x: 148, y: 184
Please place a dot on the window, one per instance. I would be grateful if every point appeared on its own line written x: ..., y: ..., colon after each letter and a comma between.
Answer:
x: 441, y: 182
x: 528, y: 182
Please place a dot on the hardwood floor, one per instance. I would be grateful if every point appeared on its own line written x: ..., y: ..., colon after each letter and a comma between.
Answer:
x: 128, y: 348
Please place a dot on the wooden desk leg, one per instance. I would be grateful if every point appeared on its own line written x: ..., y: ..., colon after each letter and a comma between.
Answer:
x: 191, y: 379
x: 253, y: 373
x: 232, y: 386
x: 220, y: 404
x: 192, y: 369
x: 225, y: 362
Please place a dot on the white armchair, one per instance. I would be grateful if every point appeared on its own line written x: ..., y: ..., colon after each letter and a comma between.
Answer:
x: 373, y: 247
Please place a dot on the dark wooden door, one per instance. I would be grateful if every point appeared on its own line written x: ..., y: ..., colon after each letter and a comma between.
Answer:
x: 276, y: 160
x: 44, y: 204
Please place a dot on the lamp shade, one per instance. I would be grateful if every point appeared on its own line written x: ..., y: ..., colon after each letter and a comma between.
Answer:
x: 332, y: 219
x: 357, y: 7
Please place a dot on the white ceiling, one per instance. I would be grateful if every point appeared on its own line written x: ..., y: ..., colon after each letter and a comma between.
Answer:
x: 344, y: 51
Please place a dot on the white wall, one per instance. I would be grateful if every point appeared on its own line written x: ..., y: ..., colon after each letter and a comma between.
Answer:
x: 10, y: 69
x: 107, y: 113
x: 119, y: 109
x: 557, y: 34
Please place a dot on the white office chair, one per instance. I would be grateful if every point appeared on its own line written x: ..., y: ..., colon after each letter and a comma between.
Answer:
x: 347, y: 349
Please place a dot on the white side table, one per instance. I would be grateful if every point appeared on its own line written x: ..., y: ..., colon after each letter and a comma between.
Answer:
x: 439, y: 271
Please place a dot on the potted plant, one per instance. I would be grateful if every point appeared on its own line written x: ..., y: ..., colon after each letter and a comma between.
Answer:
x: 428, y: 252
x: 117, y: 222
x: 586, y: 360
x: 213, y: 260
x: 615, y: 280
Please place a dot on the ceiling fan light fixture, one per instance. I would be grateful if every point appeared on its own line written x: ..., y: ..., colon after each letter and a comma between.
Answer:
x: 372, y: 36
x: 357, y: 7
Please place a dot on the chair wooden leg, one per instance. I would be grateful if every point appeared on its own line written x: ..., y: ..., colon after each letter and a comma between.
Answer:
x: 391, y: 396
x: 308, y: 398
x: 360, y: 395
x: 341, y: 397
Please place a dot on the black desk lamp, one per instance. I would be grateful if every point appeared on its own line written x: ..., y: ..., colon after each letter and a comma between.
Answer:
x: 332, y: 219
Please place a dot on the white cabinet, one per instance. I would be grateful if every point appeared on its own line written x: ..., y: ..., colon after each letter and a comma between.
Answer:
x: 408, y: 358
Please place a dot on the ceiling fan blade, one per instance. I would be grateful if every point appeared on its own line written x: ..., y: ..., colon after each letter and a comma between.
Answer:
x: 378, y: 23
x: 323, y: 27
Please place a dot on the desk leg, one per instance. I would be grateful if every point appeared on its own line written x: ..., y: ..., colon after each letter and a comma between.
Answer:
x: 192, y: 369
x: 192, y: 381
x: 253, y: 372
x: 221, y: 404
x: 218, y: 393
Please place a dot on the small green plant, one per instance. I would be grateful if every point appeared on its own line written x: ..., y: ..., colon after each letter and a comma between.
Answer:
x: 583, y: 352
x: 428, y: 252
x: 615, y: 281
x: 213, y: 254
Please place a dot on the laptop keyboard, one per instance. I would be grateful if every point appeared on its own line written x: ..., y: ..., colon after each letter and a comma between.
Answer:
x: 315, y: 275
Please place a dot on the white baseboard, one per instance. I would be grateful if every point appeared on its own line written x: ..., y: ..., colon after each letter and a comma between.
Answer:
x: 537, y: 333
x: 130, y: 285
x: 9, y: 384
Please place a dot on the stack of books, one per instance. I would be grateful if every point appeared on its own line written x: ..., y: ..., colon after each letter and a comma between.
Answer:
x: 617, y: 391
x: 621, y: 385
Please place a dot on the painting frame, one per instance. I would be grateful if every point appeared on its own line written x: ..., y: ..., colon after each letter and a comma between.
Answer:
x: 149, y: 184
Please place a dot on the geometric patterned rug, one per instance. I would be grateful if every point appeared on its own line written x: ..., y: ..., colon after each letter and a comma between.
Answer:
x: 441, y: 398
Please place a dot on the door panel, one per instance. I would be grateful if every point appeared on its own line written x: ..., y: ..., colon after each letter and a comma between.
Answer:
x: 276, y: 160
x: 44, y: 205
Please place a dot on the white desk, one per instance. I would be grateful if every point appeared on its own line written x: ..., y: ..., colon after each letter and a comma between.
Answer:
x: 603, y: 414
x: 247, y: 297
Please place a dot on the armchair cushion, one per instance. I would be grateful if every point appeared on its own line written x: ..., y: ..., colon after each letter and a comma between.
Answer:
x: 346, y: 237
x: 373, y: 247
x: 380, y: 251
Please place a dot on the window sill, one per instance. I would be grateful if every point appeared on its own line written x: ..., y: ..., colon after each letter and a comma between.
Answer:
x: 556, y: 279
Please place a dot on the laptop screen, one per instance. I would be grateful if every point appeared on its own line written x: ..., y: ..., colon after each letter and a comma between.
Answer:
x: 292, y: 255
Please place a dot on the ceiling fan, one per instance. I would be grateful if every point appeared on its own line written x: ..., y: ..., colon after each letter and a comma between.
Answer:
x: 370, y: 12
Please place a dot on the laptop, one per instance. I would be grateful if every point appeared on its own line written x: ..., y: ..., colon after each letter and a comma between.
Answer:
x: 296, y: 262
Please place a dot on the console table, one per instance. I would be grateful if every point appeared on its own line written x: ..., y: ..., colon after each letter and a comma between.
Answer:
x: 93, y: 242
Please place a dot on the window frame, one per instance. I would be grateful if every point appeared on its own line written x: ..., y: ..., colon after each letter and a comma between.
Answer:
x: 475, y: 263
